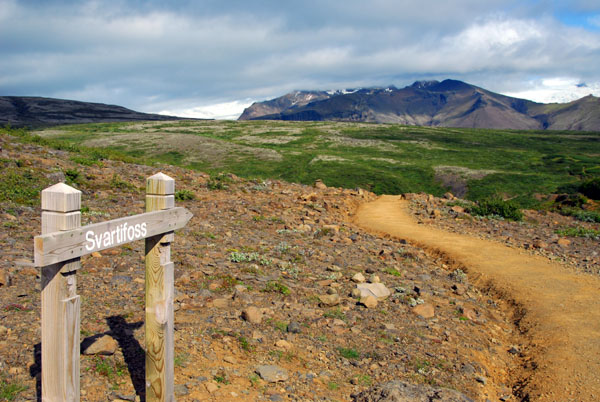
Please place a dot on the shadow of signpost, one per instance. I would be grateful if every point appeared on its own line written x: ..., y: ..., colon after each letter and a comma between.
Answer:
x: 35, y: 370
x: 134, y: 354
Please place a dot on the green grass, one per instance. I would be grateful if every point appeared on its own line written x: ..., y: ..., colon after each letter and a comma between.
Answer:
x: 393, y: 271
x: 349, y: 353
x: 276, y: 287
x: 335, y: 313
x: 10, y: 390
x: 384, y: 158
x: 580, y: 232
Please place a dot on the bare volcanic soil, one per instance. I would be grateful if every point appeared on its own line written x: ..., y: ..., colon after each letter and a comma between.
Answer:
x: 267, y: 306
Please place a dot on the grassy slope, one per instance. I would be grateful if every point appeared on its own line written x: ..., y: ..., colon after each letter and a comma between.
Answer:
x: 383, y: 158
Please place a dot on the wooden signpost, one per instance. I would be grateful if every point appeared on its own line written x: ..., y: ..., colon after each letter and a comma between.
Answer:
x: 58, y: 250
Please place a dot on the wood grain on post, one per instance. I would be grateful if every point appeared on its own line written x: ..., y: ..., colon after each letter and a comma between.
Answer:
x: 160, y: 190
x: 61, y: 206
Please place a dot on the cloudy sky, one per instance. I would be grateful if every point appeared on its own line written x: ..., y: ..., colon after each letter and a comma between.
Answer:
x: 210, y: 58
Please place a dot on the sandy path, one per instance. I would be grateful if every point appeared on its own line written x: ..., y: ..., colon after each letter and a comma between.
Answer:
x: 561, y: 309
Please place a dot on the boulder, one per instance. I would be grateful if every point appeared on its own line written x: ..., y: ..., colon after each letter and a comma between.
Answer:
x: 105, y: 345
x: 329, y: 300
x: 253, y: 315
x: 377, y: 290
x: 424, y: 310
x: 272, y: 373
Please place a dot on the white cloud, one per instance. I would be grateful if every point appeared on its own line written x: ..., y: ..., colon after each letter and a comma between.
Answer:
x: 496, y: 35
x: 556, y: 90
x: 221, y: 111
x: 167, y: 57
x: 595, y: 20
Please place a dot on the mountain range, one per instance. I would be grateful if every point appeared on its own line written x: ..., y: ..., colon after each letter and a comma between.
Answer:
x: 449, y: 103
x: 19, y: 111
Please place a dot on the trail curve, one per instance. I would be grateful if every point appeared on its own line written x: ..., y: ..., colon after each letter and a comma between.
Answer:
x: 561, y: 308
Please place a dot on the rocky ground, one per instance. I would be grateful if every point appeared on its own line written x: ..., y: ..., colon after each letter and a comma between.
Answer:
x: 537, y: 233
x: 268, y: 294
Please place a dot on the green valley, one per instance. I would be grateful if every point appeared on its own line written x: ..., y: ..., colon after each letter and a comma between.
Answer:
x: 384, y: 158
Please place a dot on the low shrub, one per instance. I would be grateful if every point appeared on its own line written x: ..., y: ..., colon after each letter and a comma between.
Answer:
x: 581, y: 215
x: 184, y: 195
x: 591, y: 188
x: 21, y: 187
x: 496, y: 206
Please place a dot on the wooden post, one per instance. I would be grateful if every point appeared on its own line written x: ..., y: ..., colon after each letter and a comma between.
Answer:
x: 160, y: 190
x: 61, y: 205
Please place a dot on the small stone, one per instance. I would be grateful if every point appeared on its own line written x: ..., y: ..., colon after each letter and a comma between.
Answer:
x: 123, y: 397
x: 230, y: 359
x: 563, y: 242
x: 5, y: 279
x: 481, y: 379
x: 252, y: 314
x: 356, y: 293
x: 56, y: 177
x: 459, y: 289
x: 272, y: 373
x: 469, y: 313
x: 283, y: 344
x: 240, y: 288
x: 369, y: 301
x: 293, y: 327
x: 425, y: 310
x: 358, y: 278
x: 334, y: 229
x: 320, y: 185
x: 449, y: 196
x: 458, y: 209
x: 211, y: 387
x: 330, y: 300
x: 105, y: 345
x: 374, y: 279
x: 221, y: 303
x: 180, y: 389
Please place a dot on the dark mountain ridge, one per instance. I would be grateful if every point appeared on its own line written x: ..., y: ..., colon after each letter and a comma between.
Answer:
x: 449, y: 103
x: 28, y: 111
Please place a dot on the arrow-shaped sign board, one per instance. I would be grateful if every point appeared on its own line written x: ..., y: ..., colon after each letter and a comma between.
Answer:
x: 61, y: 246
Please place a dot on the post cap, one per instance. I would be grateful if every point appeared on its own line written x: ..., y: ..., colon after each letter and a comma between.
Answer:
x: 160, y: 184
x: 61, y: 198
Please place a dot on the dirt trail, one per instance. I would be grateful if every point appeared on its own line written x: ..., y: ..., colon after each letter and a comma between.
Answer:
x: 561, y: 309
